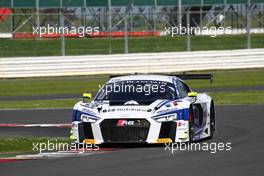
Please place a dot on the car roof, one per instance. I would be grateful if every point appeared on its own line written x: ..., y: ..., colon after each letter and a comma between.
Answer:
x: 163, y: 78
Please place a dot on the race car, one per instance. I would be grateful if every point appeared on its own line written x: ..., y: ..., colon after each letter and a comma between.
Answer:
x: 143, y: 109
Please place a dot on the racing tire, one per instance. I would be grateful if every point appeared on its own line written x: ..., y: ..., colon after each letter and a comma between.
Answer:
x: 191, y: 125
x: 212, y: 120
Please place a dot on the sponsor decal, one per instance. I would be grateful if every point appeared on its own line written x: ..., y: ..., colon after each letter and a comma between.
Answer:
x: 164, y: 111
x: 122, y: 123
x: 108, y: 110
x: 89, y: 111
x: 171, y: 104
x: 131, y: 109
x: 167, y: 110
x: 149, y: 110
x: 131, y: 123
x: 89, y: 105
x: 182, y: 124
x: 127, y: 109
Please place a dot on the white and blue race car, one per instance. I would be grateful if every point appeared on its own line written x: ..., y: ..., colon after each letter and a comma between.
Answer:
x: 143, y: 109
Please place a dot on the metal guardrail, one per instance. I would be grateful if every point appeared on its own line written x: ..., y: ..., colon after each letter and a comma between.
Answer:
x: 130, y: 63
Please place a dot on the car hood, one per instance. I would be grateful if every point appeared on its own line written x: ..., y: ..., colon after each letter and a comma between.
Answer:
x: 104, y: 110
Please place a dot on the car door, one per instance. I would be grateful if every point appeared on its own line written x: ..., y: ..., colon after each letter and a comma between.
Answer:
x: 199, y: 108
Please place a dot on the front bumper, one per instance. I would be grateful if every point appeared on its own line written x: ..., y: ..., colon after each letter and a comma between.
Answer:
x: 142, y: 131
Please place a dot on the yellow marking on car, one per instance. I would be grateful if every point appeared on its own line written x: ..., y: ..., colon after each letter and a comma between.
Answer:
x: 164, y: 140
x: 89, y: 141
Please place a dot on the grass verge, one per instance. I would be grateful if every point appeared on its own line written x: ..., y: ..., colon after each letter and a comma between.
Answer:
x: 67, y: 103
x: 243, y: 97
x: 48, y: 86
x: 231, y: 78
x: 82, y: 46
x: 80, y: 84
x: 17, y: 145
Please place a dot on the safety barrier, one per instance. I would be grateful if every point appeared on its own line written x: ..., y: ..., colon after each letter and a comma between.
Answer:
x: 130, y: 63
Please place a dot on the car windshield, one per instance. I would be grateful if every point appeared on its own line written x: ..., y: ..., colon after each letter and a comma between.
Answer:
x: 136, y: 92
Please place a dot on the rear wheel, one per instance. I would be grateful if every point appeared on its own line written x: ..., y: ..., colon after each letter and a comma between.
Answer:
x: 191, y: 124
x: 212, y: 120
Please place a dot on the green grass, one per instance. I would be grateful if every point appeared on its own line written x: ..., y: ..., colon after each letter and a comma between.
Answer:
x: 231, y: 78
x: 81, y: 46
x: 243, y: 97
x: 78, y: 85
x: 53, y: 85
x: 67, y: 103
x: 16, y: 145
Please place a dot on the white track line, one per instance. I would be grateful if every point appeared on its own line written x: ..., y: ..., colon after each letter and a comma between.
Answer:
x: 60, y: 154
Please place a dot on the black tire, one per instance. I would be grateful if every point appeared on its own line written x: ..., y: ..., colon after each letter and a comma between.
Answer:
x: 191, y: 125
x: 212, y: 120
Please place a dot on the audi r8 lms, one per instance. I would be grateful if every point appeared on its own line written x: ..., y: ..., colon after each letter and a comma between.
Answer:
x: 143, y: 109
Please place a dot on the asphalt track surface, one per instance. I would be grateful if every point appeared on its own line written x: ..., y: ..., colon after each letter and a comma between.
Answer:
x: 240, y: 125
x: 36, y: 116
x: 34, y: 132
x: 41, y: 116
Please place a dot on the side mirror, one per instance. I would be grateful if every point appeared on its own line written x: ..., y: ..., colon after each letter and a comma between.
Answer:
x: 192, y: 94
x: 86, y: 96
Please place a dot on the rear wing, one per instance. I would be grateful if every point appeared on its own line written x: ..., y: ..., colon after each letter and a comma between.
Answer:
x: 195, y: 76
x: 183, y: 76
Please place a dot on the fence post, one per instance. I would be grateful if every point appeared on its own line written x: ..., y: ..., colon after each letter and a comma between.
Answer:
x: 62, y: 31
x: 154, y: 15
x: 12, y: 17
x: 109, y: 5
x: 248, y: 24
x: 126, y: 35
x: 201, y: 15
x: 188, y: 31
x: 37, y: 15
x: 179, y: 13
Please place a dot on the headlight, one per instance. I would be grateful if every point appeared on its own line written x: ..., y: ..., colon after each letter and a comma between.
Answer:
x: 166, y: 118
x: 87, y: 118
